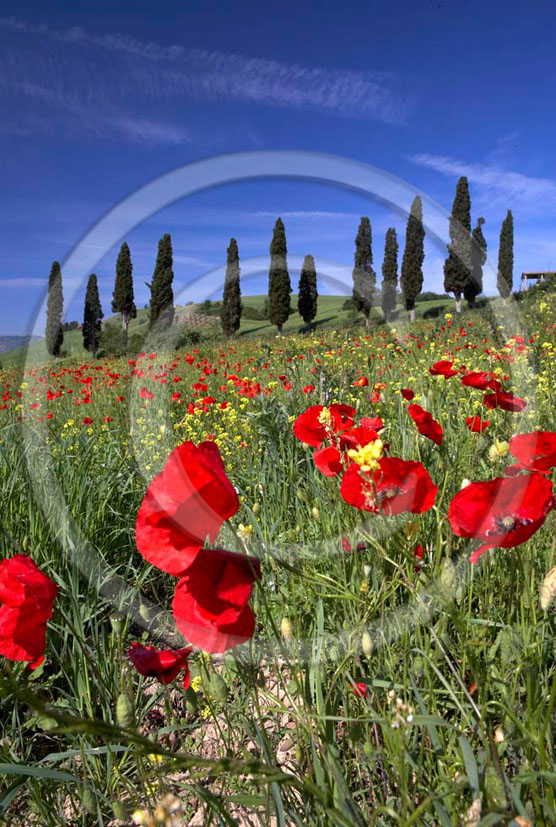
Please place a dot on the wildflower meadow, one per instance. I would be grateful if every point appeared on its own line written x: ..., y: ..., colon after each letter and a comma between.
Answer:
x: 302, y: 579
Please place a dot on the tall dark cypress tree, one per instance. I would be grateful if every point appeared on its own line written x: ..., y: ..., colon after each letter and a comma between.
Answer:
x: 506, y: 257
x: 54, y: 333
x: 389, y: 273
x: 457, y: 267
x: 92, y: 316
x: 307, y: 292
x: 364, y: 277
x: 279, y: 285
x: 123, y: 300
x: 162, y: 295
x: 230, y: 315
x: 413, y: 257
x: 478, y: 257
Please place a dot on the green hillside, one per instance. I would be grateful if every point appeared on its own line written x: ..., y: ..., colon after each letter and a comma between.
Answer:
x: 330, y: 314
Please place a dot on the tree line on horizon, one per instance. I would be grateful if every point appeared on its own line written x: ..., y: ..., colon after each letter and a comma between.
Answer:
x: 463, y: 277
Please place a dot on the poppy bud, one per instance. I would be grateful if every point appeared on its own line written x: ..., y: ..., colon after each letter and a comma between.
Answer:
x: 88, y: 800
x: 120, y: 811
x: 367, y: 644
x: 146, y: 613
x: 300, y: 494
x: 218, y: 687
x: 191, y: 704
x: 494, y: 788
x: 548, y: 589
x: 125, y: 714
x: 25, y: 543
x: 256, y: 509
x: 286, y: 628
x: 315, y: 513
x: 418, y: 666
x: 448, y: 573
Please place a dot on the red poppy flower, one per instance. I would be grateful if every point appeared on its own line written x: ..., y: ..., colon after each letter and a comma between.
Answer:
x: 145, y: 393
x: 318, y: 423
x: 358, y: 437
x: 210, y: 604
x: 346, y: 545
x: 426, y: 425
x: 443, y: 368
x: 476, y: 424
x: 329, y: 461
x: 362, y: 382
x: 535, y: 451
x: 481, y: 380
x: 408, y: 394
x: 162, y: 664
x: 505, y: 400
x: 396, y: 486
x: 360, y: 689
x: 186, y: 503
x: 503, y: 512
x: 374, y: 423
x: 27, y: 596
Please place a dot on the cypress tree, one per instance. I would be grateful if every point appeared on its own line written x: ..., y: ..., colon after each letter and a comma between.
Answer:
x: 279, y: 285
x: 307, y: 292
x: 413, y: 257
x: 54, y: 333
x: 162, y: 295
x: 506, y: 257
x: 389, y: 273
x: 230, y: 315
x: 92, y: 316
x: 123, y: 299
x: 478, y: 257
x: 364, y: 277
x: 457, y: 267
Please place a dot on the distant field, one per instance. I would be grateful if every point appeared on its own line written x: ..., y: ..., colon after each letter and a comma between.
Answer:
x: 330, y: 314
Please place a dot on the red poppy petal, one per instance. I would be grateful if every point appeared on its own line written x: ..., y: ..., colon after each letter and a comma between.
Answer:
x: 21, y: 636
x: 328, y: 461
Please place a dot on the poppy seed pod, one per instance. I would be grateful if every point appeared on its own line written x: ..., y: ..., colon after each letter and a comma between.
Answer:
x: 218, y: 687
x: 286, y: 628
x: 125, y: 713
x: 367, y: 644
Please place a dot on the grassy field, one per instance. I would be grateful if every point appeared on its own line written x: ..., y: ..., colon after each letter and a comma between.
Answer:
x: 388, y: 680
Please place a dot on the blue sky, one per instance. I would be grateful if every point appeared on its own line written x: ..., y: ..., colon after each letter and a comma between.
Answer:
x: 97, y: 101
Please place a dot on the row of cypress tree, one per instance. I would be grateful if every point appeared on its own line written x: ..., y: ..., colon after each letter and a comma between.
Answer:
x: 462, y: 277
x: 123, y: 301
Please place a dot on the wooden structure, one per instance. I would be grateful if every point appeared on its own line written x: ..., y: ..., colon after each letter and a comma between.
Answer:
x: 526, y: 277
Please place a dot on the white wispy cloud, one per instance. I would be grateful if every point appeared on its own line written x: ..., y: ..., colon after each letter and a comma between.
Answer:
x: 144, y: 70
x: 98, y: 119
x: 496, y: 186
